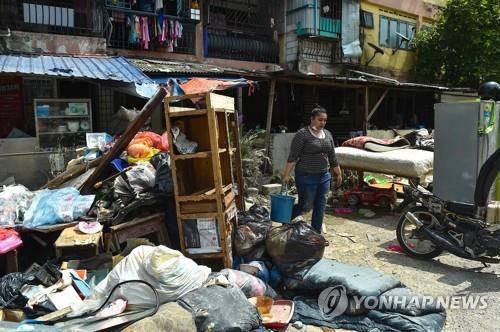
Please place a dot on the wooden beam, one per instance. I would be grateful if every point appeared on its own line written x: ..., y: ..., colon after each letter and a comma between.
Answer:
x: 379, y: 101
x: 319, y: 82
x: 367, y: 109
x: 239, y: 99
x: 240, y: 199
x: 270, y: 104
x: 125, y: 139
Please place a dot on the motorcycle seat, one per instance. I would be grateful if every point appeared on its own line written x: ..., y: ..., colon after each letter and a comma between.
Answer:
x: 466, y: 209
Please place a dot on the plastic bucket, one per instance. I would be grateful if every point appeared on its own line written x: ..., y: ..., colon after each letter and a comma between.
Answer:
x: 282, y: 208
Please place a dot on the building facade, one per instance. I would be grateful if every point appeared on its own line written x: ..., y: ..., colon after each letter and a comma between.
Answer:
x: 389, y: 26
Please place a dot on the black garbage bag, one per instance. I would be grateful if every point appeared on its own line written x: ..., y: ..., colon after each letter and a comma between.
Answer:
x: 256, y: 254
x: 163, y: 178
x: 47, y: 274
x: 221, y: 308
x: 10, y: 290
x: 250, y: 235
x: 256, y: 213
x: 295, y: 247
x: 260, y: 211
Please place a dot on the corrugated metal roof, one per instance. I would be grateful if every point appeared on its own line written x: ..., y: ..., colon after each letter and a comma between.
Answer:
x: 158, y: 66
x: 172, y: 67
x: 99, y: 68
x: 364, y: 79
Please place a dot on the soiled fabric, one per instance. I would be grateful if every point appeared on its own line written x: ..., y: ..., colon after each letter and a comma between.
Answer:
x: 358, y: 280
x: 376, y: 144
x: 170, y: 317
x: 308, y: 312
x: 404, y: 162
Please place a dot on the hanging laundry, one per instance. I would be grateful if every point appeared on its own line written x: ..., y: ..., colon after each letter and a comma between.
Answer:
x: 131, y: 25
x: 145, y: 32
x: 161, y: 28
x: 178, y: 31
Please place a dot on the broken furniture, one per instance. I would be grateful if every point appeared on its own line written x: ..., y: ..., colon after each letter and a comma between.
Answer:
x: 139, y: 227
x: 72, y: 241
x: 203, y: 180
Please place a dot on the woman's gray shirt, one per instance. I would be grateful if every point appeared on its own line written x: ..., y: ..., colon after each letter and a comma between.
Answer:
x: 312, y: 154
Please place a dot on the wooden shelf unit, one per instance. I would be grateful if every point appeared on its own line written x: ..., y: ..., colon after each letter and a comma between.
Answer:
x: 203, y: 181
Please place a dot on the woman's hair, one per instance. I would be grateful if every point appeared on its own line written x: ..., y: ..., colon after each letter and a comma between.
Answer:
x: 317, y: 110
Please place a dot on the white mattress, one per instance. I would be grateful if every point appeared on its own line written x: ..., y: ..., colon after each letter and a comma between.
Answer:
x: 404, y: 162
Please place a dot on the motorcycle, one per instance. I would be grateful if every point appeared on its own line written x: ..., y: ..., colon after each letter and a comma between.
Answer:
x: 434, y: 225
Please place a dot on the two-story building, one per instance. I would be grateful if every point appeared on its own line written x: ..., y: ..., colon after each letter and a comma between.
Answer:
x: 354, y: 58
x: 350, y: 53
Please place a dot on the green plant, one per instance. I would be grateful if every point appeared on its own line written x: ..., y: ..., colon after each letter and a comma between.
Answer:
x: 463, y: 48
x: 253, y: 158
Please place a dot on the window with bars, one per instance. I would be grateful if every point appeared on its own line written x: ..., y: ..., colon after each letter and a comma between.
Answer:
x: 242, y: 30
x: 53, y: 16
x: 388, y: 36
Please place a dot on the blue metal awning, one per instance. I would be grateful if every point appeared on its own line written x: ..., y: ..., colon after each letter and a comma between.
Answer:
x: 89, y: 67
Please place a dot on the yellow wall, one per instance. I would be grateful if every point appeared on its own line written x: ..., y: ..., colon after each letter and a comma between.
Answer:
x: 402, y: 60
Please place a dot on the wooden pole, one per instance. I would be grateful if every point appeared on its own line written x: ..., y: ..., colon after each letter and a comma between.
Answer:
x: 239, y: 100
x: 367, y: 109
x: 270, y: 104
x: 240, y: 199
x: 374, y: 109
x: 125, y: 139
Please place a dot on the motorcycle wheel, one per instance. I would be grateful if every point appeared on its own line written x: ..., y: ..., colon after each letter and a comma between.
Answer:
x: 414, y: 243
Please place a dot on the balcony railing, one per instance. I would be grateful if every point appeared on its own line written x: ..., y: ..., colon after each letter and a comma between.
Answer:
x: 330, y: 24
x: 242, y: 30
x: 316, y: 17
x: 59, y: 17
x: 322, y: 51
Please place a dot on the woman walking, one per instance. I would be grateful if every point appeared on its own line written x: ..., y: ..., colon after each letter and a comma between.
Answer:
x: 313, y: 155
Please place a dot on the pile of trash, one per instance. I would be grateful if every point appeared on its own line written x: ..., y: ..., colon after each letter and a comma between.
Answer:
x: 277, y: 268
x: 21, y: 207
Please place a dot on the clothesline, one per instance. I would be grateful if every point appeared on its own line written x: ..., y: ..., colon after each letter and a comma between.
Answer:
x: 145, y: 29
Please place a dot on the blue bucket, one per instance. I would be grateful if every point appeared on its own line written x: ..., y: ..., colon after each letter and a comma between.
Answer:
x: 282, y: 208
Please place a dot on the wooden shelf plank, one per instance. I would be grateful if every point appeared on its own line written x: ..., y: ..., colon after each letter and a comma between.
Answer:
x: 223, y: 110
x: 205, y: 255
x: 185, y: 111
x: 191, y: 216
x: 231, y: 151
x: 195, y: 198
x: 173, y: 99
x: 204, y: 154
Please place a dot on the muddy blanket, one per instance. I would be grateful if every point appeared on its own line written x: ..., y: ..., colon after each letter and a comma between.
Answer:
x: 340, y: 295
